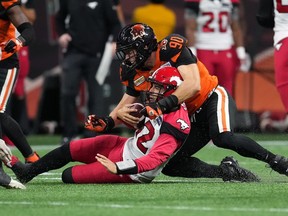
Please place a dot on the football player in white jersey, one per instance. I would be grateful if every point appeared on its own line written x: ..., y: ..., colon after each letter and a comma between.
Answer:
x: 213, y: 31
x: 119, y: 159
x: 274, y: 14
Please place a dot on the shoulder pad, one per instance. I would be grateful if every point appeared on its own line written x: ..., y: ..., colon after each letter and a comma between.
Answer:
x: 171, y: 46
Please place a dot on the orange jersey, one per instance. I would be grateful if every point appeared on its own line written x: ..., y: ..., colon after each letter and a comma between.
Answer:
x: 172, y: 51
x: 7, y: 30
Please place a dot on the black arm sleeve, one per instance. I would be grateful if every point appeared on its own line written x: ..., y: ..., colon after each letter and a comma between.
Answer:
x: 27, y: 33
x: 265, y: 14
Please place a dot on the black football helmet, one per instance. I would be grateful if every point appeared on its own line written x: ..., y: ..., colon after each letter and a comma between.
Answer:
x: 135, y: 43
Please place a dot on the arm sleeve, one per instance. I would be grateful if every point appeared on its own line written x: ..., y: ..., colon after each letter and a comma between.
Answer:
x: 27, y: 33
x: 162, y: 150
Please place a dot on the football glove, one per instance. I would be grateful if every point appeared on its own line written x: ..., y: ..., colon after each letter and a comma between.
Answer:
x: 165, y: 105
x: 99, y: 124
x: 13, y: 45
x: 5, y: 152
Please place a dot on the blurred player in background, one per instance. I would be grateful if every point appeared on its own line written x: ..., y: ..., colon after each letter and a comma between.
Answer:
x: 82, y: 49
x: 214, y: 32
x: 274, y: 14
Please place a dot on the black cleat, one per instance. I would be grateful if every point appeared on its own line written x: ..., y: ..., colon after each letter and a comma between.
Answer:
x: 231, y: 171
x: 21, y: 171
x: 9, y: 183
x: 280, y: 164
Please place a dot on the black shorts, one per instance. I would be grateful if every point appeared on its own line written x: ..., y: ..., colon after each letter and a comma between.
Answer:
x: 217, y: 115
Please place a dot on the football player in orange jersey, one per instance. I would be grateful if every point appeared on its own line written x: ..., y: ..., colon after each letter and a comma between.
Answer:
x: 12, y: 19
x: 210, y: 106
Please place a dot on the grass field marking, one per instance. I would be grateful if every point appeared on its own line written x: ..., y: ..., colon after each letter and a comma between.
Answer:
x: 154, y: 181
x: 121, y: 206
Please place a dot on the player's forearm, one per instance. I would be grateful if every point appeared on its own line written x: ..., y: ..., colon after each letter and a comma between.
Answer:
x: 191, y: 82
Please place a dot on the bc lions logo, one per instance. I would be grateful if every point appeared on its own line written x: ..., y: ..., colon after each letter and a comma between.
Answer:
x: 137, y: 31
x: 183, y: 124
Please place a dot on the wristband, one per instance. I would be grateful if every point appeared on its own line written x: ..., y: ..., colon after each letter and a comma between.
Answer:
x: 109, y: 123
x: 241, y: 52
x: 126, y: 167
x: 168, y: 104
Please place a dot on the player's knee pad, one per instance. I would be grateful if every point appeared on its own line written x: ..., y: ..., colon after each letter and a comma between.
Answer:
x: 67, y: 176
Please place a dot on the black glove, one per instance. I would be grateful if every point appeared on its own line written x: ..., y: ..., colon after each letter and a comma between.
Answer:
x: 13, y: 45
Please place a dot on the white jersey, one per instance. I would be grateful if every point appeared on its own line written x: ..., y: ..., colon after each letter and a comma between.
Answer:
x: 133, y: 150
x: 281, y: 20
x: 214, y: 25
x: 145, y: 141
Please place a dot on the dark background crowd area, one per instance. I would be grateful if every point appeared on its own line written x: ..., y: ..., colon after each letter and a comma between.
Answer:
x: 45, y: 54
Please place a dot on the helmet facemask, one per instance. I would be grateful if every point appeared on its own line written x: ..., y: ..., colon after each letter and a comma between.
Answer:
x: 163, y: 82
x: 156, y: 91
x: 139, y: 38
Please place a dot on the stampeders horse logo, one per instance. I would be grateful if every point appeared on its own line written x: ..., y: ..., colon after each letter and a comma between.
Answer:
x: 137, y: 31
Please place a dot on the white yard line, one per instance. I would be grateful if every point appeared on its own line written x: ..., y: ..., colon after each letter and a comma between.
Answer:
x: 121, y: 206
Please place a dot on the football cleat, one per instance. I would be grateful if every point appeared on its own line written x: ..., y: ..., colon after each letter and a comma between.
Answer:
x: 9, y: 183
x: 231, y: 171
x: 280, y: 164
x: 20, y: 169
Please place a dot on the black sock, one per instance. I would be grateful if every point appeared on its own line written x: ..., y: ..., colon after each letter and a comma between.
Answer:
x: 55, y: 159
x: 243, y: 145
x: 13, y: 131
x: 191, y: 167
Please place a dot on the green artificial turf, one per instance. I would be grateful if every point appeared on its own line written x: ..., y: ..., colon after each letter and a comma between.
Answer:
x: 47, y: 195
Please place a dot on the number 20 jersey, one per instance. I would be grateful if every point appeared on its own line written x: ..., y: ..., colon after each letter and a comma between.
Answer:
x: 213, y: 18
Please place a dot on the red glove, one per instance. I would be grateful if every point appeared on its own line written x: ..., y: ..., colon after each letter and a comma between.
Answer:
x: 13, y: 45
x: 99, y: 124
